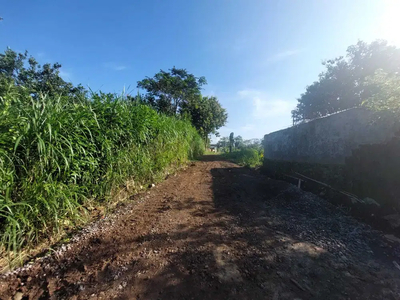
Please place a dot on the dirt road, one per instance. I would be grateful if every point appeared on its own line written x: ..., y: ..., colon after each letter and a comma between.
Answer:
x: 217, y: 231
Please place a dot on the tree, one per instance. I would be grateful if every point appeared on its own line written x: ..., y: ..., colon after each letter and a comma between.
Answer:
x: 167, y: 92
x: 238, y: 142
x: 385, y: 89
x: 342, y: 84
x: 231, y: 141
x: 223, y: 142
x: 206, y: 114
x: 178, y: 92
x: 24, y: 71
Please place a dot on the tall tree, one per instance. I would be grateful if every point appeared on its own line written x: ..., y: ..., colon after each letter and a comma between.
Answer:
x: 231, y: 141
x: 206, y: 114
x: 223, y: 142
x: 342, y: 84
x: 169, y: 91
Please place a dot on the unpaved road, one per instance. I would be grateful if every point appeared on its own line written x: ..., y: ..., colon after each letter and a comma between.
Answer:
x: 217, y: 231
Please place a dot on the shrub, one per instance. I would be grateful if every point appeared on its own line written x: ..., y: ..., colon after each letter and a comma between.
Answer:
x: 247, y: 157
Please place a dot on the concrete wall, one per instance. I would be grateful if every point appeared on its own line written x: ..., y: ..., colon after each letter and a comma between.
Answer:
x: 331, y: 139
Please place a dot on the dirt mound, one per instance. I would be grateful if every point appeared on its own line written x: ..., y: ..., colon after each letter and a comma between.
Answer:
x: 217, y: 231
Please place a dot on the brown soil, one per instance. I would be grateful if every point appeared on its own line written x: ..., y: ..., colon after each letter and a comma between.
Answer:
x: 217, y: 231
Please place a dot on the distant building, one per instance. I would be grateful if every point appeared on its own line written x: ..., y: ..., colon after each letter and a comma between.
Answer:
x: 213, y: 148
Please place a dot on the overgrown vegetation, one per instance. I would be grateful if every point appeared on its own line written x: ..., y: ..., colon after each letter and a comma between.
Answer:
x: 368, y: 71
x: 248, y: 153
x: 178, y: 93
x: 248, y: 157
x: 61, y: 150
x: 56, y: 153
x: 386, y: 95
x: 24, y: 71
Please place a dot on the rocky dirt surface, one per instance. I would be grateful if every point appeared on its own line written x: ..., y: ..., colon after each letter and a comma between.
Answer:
x: 217, y: 231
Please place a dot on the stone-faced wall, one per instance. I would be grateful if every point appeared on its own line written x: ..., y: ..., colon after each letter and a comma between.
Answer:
x: 329, y: 140
x: 357, y: 151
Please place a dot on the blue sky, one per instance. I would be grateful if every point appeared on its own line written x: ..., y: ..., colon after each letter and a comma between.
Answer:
x: 258, y: 56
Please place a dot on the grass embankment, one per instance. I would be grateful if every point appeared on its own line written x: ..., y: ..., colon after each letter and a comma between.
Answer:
x: 57, y: 155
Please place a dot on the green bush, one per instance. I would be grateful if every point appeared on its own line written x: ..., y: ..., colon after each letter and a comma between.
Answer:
x: 56, y: 154
x: 247, y: 157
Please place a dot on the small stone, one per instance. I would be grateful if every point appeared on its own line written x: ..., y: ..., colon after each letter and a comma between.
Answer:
x: 18, y: 296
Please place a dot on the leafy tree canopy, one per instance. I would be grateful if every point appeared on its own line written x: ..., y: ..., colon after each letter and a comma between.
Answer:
x: 167, y: 92
x: 343, y: 83
x: 223, y: 142
x: 206, y: 113
x: 178, y: 92
x: 238, y: 141
x: 24, y: 71
x: 385, y: 90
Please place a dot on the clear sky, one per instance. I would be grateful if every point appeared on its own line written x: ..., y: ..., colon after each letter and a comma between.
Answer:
x: 258, y: 56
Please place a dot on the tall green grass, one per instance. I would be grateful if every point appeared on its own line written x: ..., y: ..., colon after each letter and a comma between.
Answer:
x: 56, y: 154
x: 249, y: 157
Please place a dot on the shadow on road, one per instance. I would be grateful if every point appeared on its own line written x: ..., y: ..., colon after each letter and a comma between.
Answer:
x: 237, y: 252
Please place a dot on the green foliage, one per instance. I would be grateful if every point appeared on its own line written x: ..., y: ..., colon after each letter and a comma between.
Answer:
x: 386, y: 95
x: 26, y: 73
x: 167, y: 92
x: 249, y: 157
x: 178, y: 93
x: 61, y: 150
x: 238, y: 142
x: 206, y: 114
x: 244, y: 152
x: 343, y: 84
x: 231, y: 141
x: 57, y: 153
